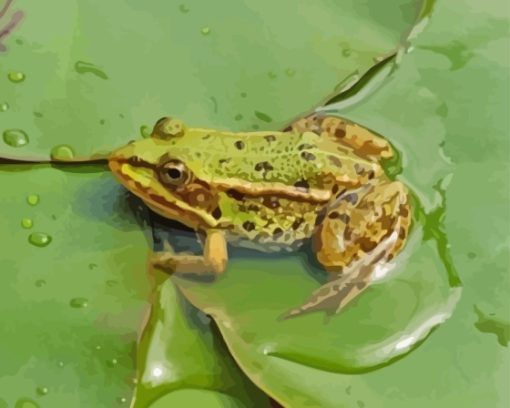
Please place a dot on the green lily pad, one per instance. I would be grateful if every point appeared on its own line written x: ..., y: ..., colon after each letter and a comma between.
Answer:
x: 181, y: 360
x: 75, y: 292
x: 73, y: 287
x: 82, y: 84
x: 450, y: 137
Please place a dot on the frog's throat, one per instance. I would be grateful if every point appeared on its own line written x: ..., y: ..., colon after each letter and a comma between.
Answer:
x: 143, y: 184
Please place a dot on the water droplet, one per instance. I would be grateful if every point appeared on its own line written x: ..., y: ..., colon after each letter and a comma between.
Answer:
x: 121, y: 115
x: 102, y: 122
x: 112, y: 363
x: 19, y: 41
x: 4, y: 106
x: 27, y: 223
x: 60, y: 364
x: 16, y: 77
x: 38, y: 114
x: 79, y: 302
x: 205, y: 30
x: 33, y: 199
x: 360, y: 403
x: 471, y: 255
x: 40, y: 283
x: 244, y: 94
x: 98, y: 347
x: 26, y: 403
x: 122, y: 400
x: 62, y: 152
x: 271, y: 75
x: 111, y: 283
x: 145, y: 131
x: 39, y: 239
x: 92, y: 266
x: 255, y: 127
x: 83, y: 67
x: 290, y: 72
x: 15, y: 137
x: 238, y: 117
x: 42, y: 390
x: 346, y: 52
x: 264, y: 117
x: 184, y: 8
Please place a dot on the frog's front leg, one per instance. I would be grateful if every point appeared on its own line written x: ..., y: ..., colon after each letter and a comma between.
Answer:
x: 214, y: 259
x: 356, y: 236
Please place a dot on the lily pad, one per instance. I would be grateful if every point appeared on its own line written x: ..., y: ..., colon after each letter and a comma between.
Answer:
x: 91, y: 83
x: 182, y: 360
x: 75, y: 292
x: 449, y: 144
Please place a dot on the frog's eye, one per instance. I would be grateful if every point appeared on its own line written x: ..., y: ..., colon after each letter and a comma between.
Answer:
x: 166, y: 128
x: 174, y: 173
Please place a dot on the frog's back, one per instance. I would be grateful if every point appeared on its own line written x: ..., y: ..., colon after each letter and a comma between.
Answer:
x: 305, y: 160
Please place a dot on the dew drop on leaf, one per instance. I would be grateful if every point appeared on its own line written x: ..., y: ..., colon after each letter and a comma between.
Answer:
x: 290, y: 72
x: 145, y: 131
x: 42, y: 390
x: 16, y: 77
x: 26, y: 403
x: 112, y: 363
x: 27, y: 223
x: 205, y: 30
x: 40, y: 283
x: 62, y: 152
x: 15, y: 137
x: 79, y: 302
x: 33, y: 199
x: 39, y: 239
x: 4, y: 106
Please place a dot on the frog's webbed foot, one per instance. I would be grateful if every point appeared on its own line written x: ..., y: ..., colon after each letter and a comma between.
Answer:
x: 352, y: 242
x: 214, y: 259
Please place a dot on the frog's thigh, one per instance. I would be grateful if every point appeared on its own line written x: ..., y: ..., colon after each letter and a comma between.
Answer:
x: 214, y: 259
x: 343, y: 239
x: 364, y: 142
x: 350, y: 246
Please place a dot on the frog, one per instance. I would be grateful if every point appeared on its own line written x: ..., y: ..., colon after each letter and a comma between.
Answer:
x: 320, y: 181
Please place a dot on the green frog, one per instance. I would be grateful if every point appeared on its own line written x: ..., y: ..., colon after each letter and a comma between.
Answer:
x: 319, y: 181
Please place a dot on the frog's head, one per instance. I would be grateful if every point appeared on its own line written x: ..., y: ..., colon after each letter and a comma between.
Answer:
x: 165, y: 172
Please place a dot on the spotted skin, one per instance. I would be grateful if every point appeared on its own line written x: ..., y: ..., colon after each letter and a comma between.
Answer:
x: 318, y: 181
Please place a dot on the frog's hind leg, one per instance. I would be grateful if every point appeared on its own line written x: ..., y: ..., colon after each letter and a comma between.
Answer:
x: 352, y: 242
x: 214, y: 259
x: 361, y: 140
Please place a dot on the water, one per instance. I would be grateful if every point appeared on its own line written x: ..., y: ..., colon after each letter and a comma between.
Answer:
x: 42, y: 390
x: 26, y: 403
x: 62, y: 153
x: 264, y: 117
x: 16, y: 77
x: 33, y: 199
x: 145, y: 131
x: 27, y: 223
x: 290, y: 72
x: 39, y: 239
x: 205, y: 30
x: 79, y: 302
x: 15, y: 137
x: 4, y: 107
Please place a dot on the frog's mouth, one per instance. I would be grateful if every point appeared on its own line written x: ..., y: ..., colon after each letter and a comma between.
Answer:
x: 141, y: 179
